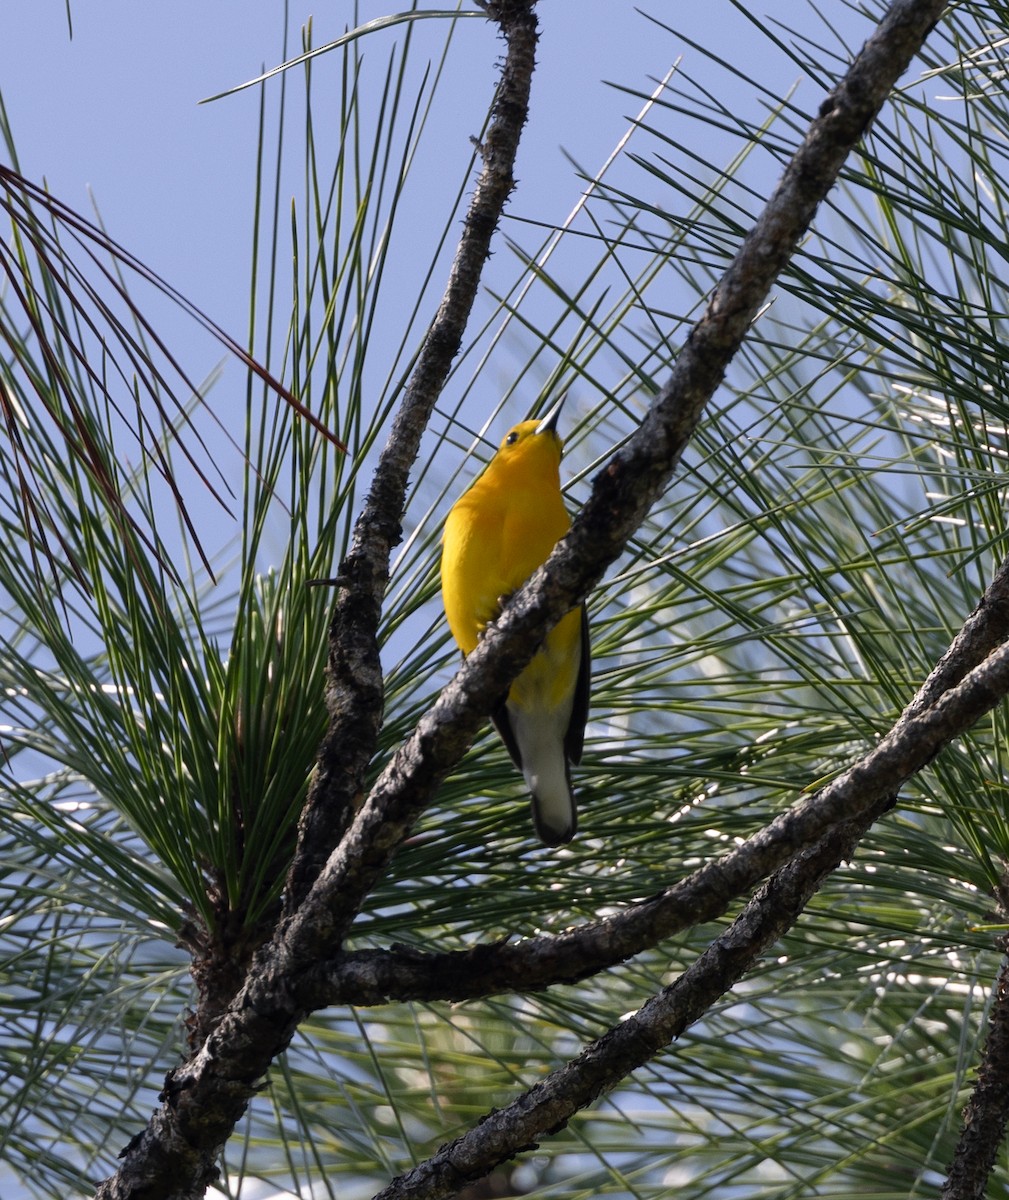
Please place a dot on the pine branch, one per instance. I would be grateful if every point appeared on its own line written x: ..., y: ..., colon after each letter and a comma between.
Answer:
x: 368, y: 977
x: 986, y: 1114
x: 549, y: 1105
x: 872, y: 784
x: 355, y: 692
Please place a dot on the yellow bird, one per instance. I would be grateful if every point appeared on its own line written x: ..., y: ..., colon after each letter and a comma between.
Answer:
x: 496, y: 535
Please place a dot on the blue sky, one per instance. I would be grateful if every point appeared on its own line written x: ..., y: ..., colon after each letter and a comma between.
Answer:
x: 114, y: 112
x: 116, y: 109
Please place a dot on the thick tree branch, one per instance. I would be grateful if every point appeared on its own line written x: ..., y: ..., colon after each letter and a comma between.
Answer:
x: 987, y: 1113
x: 403, y: 973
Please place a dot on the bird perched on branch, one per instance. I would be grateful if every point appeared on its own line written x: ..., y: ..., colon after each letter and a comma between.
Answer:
x: 496, y: 535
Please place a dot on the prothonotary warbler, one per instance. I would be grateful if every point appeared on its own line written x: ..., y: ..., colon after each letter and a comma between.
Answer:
x: 496, y: 535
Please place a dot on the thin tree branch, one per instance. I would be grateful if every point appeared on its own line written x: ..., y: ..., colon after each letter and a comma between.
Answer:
x: 355, y: 692
x: 366, y: 977
x: 548, y: 1106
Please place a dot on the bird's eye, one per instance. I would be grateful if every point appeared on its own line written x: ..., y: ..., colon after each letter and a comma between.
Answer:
x: 512, y: 438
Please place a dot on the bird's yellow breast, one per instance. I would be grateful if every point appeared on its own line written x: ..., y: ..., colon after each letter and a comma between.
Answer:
x: 494, y: 540
x: 500, y: 531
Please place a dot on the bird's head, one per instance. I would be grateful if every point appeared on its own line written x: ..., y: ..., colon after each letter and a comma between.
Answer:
x: 531, y: 444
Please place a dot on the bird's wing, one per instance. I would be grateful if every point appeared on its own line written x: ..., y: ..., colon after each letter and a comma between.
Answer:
x: 502, y: 723
x: 575, y: 736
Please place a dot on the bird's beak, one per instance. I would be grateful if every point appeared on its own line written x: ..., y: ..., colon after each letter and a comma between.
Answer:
x: 549, y: 422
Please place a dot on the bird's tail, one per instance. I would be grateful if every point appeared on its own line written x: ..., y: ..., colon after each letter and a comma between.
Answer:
x: 535, y: 740
x: 554, y: 812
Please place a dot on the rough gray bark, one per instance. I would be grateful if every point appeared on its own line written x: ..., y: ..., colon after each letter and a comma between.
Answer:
x: 986, y: 1114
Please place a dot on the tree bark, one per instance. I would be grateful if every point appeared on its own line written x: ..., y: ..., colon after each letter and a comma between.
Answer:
x: 987, y: 1112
